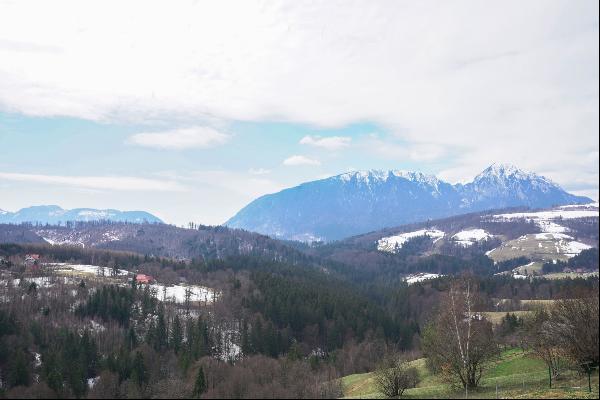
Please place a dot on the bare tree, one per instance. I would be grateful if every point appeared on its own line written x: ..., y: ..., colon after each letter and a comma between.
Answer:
x: 394, y: 375
x: 540, y: 339
x: 460, y: 341
x: 574, y: 326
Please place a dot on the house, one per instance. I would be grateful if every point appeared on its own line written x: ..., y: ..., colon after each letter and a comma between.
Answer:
x: 31, y: 259
x: 144, y: 279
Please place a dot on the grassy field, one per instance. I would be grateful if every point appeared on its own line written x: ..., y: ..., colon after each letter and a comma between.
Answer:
x: 515, y: 375
x: 530, y: 246
x: 537, y: 303
x: 495, y: 317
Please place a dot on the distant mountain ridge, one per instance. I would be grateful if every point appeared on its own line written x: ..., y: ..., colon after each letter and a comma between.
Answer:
x: 357, y: 202
x: 52, y: 214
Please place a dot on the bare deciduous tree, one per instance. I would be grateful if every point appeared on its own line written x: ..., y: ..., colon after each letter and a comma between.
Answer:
x: 543, y: 343
x: 460, y: 341
x: 574, y: 326
x: 394, y: 376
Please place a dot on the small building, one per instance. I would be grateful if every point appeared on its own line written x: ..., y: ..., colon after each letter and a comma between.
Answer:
x: 31, y: 259
x: 144, y: 279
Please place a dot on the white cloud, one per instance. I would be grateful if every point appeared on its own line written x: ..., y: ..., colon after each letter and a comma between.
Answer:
x: 417, y: 152
x: 111, y: 183
x: 178, y: 139
x: 506, y: 81
x: 328, y: 143
x: 259, y: 171
x: 300, y: 160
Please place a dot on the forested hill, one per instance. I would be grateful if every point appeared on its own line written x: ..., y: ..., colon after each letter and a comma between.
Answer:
x: 197, y: 242
x: 484, y: 242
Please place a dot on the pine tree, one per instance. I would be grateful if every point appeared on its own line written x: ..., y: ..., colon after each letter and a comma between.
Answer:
x: 131, y: 339
x: 161, y: 338
x: 200, y: 386
x: 138, y: 370
x: 176, y: 335
x: 18, y: 373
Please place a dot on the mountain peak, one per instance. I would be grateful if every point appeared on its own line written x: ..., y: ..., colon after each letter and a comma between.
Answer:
x: 377, y: 175
x: 362, y: 201
x: 504, y: 171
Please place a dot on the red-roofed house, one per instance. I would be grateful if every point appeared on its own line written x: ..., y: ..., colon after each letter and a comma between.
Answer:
x: 146, y: 279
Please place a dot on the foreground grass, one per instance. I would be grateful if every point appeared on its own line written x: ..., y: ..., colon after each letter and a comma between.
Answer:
x: 515, y: 375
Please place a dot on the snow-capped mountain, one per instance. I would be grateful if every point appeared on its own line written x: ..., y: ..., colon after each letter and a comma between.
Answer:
x: 55, y: 214
x: 363, y: 201
x: 504, y: 185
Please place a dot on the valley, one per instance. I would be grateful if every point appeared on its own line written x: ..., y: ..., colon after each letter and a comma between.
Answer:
x: 318, y: 310
x: 147, y: 309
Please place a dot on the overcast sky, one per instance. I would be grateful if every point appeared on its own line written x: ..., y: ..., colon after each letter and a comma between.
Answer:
x: 191, y: 109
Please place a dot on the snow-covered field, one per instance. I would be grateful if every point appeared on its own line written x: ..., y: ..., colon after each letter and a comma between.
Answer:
x: 61, y: 237
x: 420, y: 277
x: 554, y: 242
x: 176, y: 293
x: 581, y: 206
x: 564, y: 213
x: 391, y: 243
x: 540, y: 247
x: 86, y: 269
x: 469, y: 237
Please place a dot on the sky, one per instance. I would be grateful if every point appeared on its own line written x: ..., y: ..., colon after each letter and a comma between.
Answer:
x: 192, y: 109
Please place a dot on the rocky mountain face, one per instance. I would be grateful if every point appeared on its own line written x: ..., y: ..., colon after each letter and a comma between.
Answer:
x: 364, y: 201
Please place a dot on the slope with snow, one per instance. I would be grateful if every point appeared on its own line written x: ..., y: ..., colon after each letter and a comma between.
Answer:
x: 177, y: 293
x: 392, y: 243
x: 469, y: 237
x: 420, y: 277
x: 539, y: 247
x: 54, y: 215
x: 363, y: 201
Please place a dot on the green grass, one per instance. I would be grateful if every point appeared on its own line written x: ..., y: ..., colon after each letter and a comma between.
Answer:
x: 516, y: 374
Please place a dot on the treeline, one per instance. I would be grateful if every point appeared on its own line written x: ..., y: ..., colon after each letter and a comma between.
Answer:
x: 586, y: 260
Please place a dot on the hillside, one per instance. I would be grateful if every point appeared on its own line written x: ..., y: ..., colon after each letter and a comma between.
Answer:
x: 503, y: 238
x: 154, y: 240
x: 515, y: 375
x: 359, y: 202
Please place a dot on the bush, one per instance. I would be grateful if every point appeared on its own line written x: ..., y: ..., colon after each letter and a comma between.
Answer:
x: 394, y: 376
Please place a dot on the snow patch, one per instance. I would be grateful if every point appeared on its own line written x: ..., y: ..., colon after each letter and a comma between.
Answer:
x: 176, y: 293
x: 86, y: 269
x: 469, y: 237
x: 391, y: 243
x: 550, y: 215
x: 420, y: 277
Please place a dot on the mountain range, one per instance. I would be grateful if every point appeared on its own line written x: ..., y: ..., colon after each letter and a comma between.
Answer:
x: 54, y: 214
x: 358, y: 202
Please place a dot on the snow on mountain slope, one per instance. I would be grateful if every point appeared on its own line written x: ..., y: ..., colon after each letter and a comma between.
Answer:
x: 55, y: 214
x: 82, y: 237
x: 554, y: 242
x: 550, y: 215
x: 362, y: 201
x: 392, y: 243
x: 470, y: 236
x: 420, y: 277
